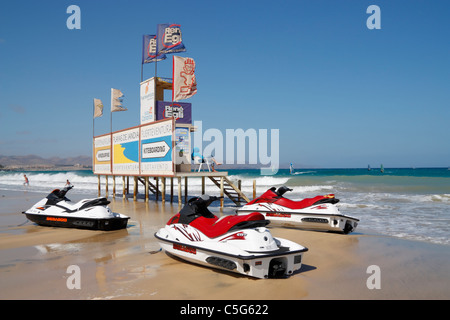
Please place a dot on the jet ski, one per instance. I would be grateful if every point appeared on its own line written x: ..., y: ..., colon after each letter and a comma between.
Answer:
x: 318, y: 213
x: 56, y: 210
x: 236, y: 243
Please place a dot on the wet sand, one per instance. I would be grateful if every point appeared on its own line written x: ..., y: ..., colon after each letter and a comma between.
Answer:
x: 128, y: 264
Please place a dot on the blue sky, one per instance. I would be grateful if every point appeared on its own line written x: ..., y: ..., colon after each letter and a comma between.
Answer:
x: 340, y: 94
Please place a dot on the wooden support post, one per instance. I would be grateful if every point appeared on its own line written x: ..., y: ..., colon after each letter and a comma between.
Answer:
x: 254, y: 189
x: 146, y: 189
x: 157, y: 188
x: 99, y: 186
x: 203, y: 185
x: 179, y: 191
x: 128, y: 184
x: 171, y: 189
x: 114, y: 186
x: 123, y: 187
x: 239, y: 194
x: 106, y: 191
x: 163, y: 191
x: 185, y: 189
x: 135, y: 189
x: 221, y: 192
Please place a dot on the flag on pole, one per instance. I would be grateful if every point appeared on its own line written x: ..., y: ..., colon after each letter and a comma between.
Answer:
x: 149, y: 50
x: 184, y: 82
x: 116, y: 101
x: 169, y: 39
x: 98, y: 108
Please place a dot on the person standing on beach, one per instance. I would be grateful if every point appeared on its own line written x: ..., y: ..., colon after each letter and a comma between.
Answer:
x: 26, y: 180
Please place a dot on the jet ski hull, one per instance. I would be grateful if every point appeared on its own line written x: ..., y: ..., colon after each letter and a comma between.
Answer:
x: 224, y: 255
x: 105, y: 224
x: 307, y: 220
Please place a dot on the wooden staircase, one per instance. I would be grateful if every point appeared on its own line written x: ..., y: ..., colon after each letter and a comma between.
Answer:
x: 151, y: 187
x: 230, y: 190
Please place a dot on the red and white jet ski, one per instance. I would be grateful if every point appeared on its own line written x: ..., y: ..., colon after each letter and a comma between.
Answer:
x: 237, y: 243
x: 318, y: 213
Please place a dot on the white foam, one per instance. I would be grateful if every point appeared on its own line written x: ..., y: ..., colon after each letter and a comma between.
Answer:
x: 404, y: 214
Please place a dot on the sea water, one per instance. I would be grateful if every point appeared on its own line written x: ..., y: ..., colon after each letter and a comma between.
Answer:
x: 406, y: 203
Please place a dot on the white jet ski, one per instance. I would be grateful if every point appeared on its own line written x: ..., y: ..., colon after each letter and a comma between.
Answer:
x: 237, y: 243
x: 56, y: 210
x: 318, y: 213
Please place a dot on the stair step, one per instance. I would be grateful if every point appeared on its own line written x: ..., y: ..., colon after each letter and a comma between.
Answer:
x: 230, y: 190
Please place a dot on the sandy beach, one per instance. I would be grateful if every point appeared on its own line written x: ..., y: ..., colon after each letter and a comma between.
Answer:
x: 128, y: 264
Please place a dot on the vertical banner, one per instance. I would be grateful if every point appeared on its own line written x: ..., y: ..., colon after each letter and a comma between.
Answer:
x: 169, y: 39
x: 116, y: 100
x: 157, y: 148
x: 126, y: 151
x: 149, y: 50
x: 148, y: 101
x: 102, y: 154
x: 184, y: 82
x: 98, y: 108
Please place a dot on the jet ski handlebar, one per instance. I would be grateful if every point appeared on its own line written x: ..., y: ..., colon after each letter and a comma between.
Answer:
x: 282, y: 190
x: 204, y: 199
x: 197, y: 207
x: 60, y: 194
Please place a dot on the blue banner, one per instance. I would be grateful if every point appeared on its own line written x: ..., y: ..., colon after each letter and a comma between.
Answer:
x: 182, y: 111
x: 169, y: 38
x: 149, y: 50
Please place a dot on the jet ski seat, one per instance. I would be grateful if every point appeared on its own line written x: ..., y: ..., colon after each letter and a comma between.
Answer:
x: 95, y: 202
x: 300, y: 204
x: 215, y: 227
x: 276, y: 197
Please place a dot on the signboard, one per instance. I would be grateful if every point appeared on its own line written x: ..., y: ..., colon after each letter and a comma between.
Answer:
x: 180, y: 110
x: 102, y: 154
x: 148, y: 101
x: 157, y: 148
x: 182, y: 146
x: 126, y: 151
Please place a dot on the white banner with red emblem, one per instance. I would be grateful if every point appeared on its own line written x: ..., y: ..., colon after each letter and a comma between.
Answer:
x: 184, y: 83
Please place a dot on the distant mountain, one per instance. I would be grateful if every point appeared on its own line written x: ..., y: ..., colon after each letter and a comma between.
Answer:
x: 33, y: 160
